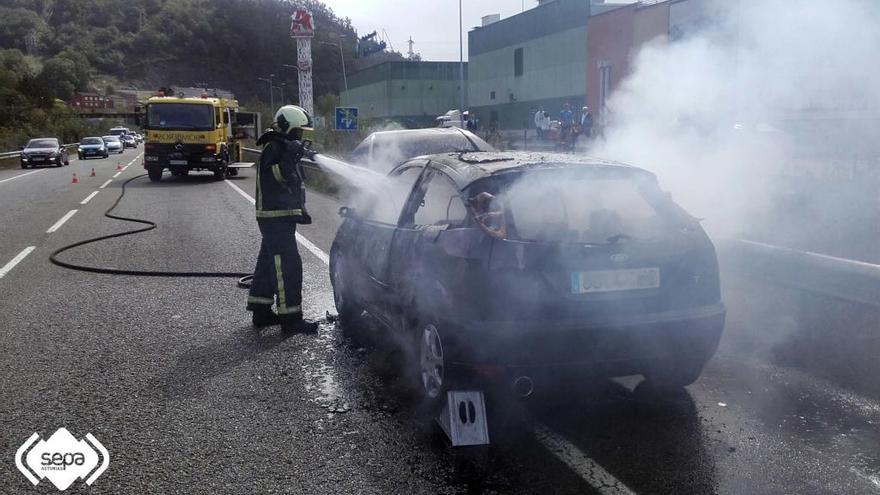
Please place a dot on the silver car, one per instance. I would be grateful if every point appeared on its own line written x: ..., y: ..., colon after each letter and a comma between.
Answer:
x: 114, y: 145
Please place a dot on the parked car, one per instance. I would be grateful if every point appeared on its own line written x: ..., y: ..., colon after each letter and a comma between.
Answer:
x: 114, y: 144
x: 383, y: 150
x: 523, y: 268
x: 44, y: 151
x: 92, y: 147
x: 128, y: 141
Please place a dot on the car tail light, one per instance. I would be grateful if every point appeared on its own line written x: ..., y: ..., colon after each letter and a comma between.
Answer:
x: 489, y: 214
x: 210, y: 147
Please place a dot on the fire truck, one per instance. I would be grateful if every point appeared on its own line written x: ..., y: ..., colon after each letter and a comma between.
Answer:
x: 185, y: 133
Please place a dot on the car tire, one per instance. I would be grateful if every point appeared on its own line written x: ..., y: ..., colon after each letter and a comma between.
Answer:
x: 24, y: 165
x: 155, y: 174
x: 347, y: 309
x: 673, y: 375
x: 79, y: 157
x: 59, y: 163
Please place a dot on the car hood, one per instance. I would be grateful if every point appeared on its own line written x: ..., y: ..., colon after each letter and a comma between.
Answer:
x: 29, y: 151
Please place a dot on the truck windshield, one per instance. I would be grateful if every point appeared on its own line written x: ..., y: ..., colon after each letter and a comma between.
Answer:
x: 180, y: 116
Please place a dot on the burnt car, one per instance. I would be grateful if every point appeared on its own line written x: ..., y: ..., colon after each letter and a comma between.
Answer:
x: 522, y: 268
x: 383, y: 150
x: 44, y: 151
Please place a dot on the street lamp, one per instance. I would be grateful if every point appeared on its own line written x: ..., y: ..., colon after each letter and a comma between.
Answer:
x: 271, y: 94
x: 341, y: 59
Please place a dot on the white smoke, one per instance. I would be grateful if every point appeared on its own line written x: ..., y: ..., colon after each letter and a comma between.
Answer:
x: 762, y: 90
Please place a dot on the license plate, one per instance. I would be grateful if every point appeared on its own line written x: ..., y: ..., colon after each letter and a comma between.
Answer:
x: 614, y: 280
x: 177, y: 162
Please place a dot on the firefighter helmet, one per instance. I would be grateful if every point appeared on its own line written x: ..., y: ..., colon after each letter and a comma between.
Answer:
x: 290, y: 117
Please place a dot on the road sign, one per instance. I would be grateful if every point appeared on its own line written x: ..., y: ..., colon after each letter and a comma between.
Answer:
x: 346, y: 118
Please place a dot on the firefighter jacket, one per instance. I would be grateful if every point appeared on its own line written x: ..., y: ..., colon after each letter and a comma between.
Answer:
x: 280, y: 189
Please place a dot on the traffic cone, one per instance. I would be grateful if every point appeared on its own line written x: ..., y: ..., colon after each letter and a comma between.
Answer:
x: 93, y: 174
x: 75, y: 180
x: 119, y: 166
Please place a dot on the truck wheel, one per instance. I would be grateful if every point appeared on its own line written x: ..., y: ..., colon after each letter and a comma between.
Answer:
x: 155, y: 173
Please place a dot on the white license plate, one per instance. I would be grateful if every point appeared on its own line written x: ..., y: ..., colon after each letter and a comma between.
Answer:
x: 614, y: 280
x: 177, y: 162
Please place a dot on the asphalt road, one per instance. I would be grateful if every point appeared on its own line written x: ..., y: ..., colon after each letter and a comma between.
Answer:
x: 170, y: 377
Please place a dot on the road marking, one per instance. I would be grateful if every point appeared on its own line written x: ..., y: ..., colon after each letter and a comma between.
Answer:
x: 321, y: 255
x: 117, y: 174
x: 59, y: 223
x: 591, y: 472
x: 19, y: 176
x: 22, y: 255
x: 602, y: 481
x: 106, y: 184
x: 89, y: 197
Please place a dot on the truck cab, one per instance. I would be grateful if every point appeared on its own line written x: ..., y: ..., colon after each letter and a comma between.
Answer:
x: 191, y: 133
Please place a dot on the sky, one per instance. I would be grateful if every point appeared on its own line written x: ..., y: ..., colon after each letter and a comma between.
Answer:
x: 433, y: 24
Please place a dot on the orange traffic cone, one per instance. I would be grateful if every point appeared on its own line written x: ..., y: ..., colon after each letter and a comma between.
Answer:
x: 93, y: 174
x: 119, y: 166
x: 75, y: 180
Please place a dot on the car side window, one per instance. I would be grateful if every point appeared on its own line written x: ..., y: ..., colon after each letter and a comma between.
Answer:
x: 441, y: 203
x: 386, y: 203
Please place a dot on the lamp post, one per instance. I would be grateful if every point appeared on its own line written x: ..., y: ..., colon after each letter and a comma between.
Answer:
x: 460, y: 68
x: 341, y: 59
x: 271, y: 94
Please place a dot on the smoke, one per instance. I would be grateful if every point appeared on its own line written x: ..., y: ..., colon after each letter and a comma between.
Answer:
x: 749, y: 102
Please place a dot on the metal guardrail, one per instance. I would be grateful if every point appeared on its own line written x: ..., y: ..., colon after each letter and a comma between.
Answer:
x: 838, y: 278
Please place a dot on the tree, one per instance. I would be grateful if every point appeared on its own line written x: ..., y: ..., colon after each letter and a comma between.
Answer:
x: 21, y: 28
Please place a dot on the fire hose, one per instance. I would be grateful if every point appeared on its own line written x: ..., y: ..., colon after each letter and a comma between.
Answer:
x: 244, y: 279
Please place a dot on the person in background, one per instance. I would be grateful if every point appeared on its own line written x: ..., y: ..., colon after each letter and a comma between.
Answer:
x: 539, y: 123
x: 545, y: 124
x: 566, y: 121
x: 472, y: 122
x: 586, y: 123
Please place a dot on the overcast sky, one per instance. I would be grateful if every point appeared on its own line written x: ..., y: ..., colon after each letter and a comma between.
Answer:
x: 433, y: 24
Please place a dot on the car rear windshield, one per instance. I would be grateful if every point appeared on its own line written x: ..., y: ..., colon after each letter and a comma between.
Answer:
x: 117, y: 132
x: 111, y: 139
x: 180, y: 116
x: 92, y: 140
x: 573, y: 206
x: 42, y: 143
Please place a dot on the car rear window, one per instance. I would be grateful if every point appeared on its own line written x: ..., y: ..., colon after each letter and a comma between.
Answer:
x: 111, y: 138
x: 574, y: 206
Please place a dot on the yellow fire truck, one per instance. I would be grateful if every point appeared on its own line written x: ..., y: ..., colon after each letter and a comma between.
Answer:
x: 192, y: 133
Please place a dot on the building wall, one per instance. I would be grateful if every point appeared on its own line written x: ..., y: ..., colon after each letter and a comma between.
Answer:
x: 553, y: 39
x: 410, y: 93
x: 609, y: 44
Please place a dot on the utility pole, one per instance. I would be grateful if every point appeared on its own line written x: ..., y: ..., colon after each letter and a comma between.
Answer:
x: 410, y: 53
x: 460, y: 67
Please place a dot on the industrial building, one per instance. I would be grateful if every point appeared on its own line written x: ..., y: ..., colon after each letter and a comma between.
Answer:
x: 410, y: 93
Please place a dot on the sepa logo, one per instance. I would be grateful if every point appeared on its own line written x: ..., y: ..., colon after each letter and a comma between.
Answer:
x: 62, y: 458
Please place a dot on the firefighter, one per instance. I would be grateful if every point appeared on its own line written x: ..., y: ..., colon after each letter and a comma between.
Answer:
x: 280, y: 205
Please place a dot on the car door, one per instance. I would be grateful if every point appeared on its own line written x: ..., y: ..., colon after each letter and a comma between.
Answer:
x: 377, y: 217
x: 434, y: 206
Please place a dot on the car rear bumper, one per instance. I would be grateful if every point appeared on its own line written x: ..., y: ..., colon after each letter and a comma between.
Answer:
x: 610, y: 347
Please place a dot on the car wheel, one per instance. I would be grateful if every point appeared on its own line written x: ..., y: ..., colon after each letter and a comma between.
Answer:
x: 347, y: 308
x: 432, y: 375
x: 220, y: 173
x: 155, y: 173
x: 79, y: 157
x: 24, y: 165
x: 59, y: 163
x: 673, y: 375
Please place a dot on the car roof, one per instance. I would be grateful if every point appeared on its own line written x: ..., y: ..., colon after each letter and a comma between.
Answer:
x: 419, y: 133
x: 43, y: 139
x: 465, y: 168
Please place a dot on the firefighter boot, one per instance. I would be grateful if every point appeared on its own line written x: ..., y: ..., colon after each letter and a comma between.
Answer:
x: 296, y: 324
x: 263, y: 315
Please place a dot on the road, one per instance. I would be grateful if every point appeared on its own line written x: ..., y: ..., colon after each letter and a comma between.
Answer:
x: 169, y: 375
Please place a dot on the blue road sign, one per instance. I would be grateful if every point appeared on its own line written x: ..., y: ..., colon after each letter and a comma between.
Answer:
x: 346, y: 118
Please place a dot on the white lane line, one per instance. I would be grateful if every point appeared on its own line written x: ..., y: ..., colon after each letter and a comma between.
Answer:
x: 106, y: 184
x: 117, y: 173
x: 591, y: 472
x: 89, y: 197
x: 321, y: 255
x: 60, y: 222
x: 602, y: 481
x: 20, y: 256
x: 20, y: 176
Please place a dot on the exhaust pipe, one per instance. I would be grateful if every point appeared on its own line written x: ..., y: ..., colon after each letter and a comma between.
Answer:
x: 523, y: 387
